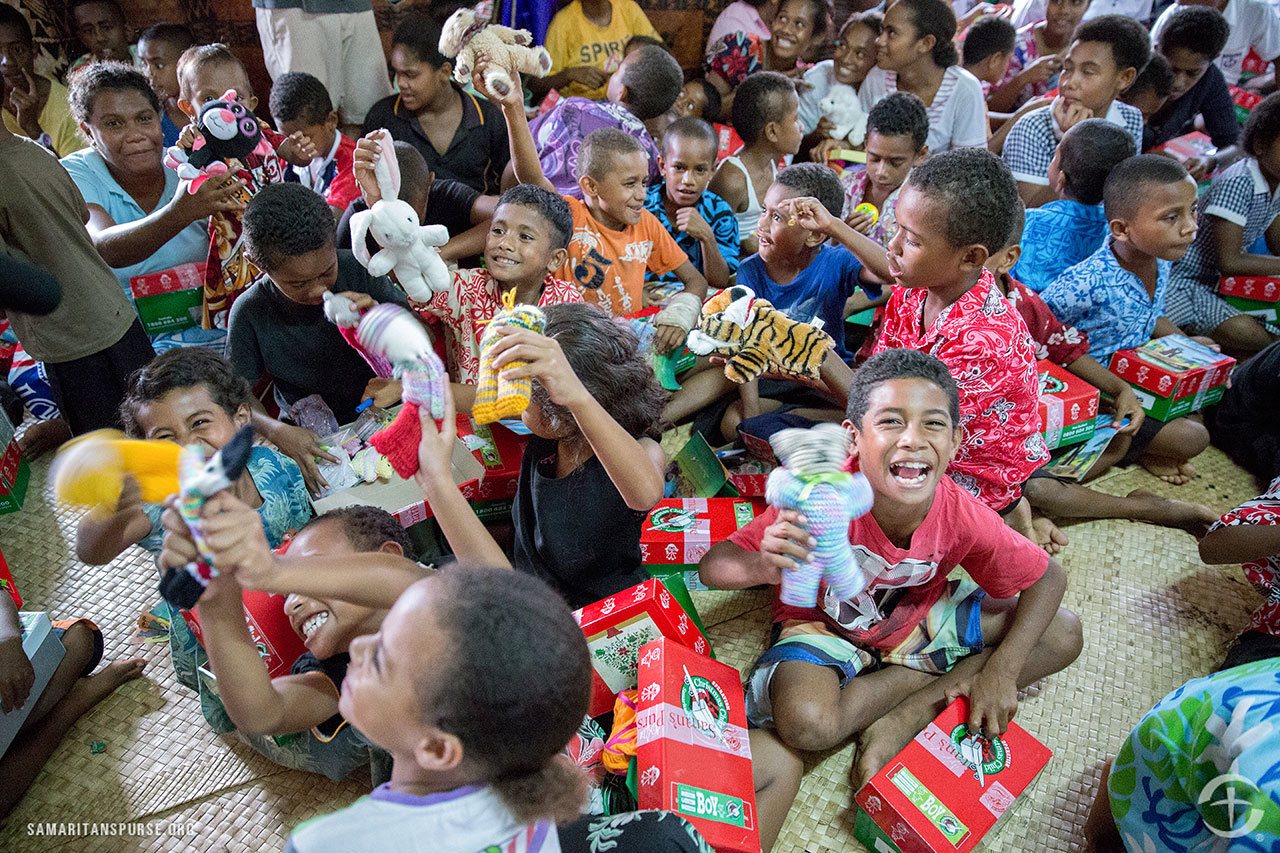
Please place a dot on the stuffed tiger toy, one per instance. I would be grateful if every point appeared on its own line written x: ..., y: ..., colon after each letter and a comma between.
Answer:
x: 757, y: 338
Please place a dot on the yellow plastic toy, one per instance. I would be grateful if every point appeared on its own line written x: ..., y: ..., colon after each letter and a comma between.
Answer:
x: 90, y: 470
x: 869, y: 209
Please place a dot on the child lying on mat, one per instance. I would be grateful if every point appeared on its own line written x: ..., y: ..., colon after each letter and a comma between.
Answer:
x: 883, y: 665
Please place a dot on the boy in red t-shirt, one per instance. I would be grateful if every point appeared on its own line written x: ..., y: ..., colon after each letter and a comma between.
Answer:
x: 954, y: 212
x: 1065, y: 345
x: 883, y: 665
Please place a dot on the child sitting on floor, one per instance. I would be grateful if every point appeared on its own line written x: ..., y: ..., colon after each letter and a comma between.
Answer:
x: 988, y: 47
x: 1241, y: 205
x: 897, y: 139
x: 1064, y: 232
x: 615, y: 240
x: 508, y: 663
x: 955, y: 211
x: 594, y: 416
x: 854, y: 56
x: 1117, y: 296
x: 701, y: 222
x: 1068, y: 347
x: 159, y: 48
x: 300, y: 103
x: 884, y: 664
x: 192, y: 396
x: 293, y: 719
x: 1105, y: 56
x: 765, y: 115
x: 206, y: 73
x: 1150, y: 90
x: 1250, y: 535
x: 70, y: 693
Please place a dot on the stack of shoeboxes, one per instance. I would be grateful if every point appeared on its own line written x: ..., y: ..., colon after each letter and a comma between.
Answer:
x: 1174, y: 375
x: 1068, y: 406
x: 1255, y: 295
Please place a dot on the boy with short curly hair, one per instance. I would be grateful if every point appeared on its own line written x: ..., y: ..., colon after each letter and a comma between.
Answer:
x: 300, y: 102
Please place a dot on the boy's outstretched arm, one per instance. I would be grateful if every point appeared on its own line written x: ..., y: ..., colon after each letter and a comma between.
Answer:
x: 809, y: 213
x: 524, y: 154
x: 101, y: 537
x: 1240, y: 543
x: 785, y: 542
x: 993, y: 692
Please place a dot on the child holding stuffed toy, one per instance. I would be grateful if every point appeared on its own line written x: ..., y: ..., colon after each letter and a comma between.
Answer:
x: 192, y: 396
x: 207, y: 73
x: 615, y: 241
x: 883, y: 664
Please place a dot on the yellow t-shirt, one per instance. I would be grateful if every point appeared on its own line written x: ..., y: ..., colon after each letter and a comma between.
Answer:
x: 572, y: 40
x: 55, y: 120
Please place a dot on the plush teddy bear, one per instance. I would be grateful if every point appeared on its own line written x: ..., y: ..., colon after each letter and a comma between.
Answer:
x: 757, y: 338
x: 409, y: 250
x: 228, y: 131
x: 843, y: 109
x: 498, y: 398
x: 466, y: 37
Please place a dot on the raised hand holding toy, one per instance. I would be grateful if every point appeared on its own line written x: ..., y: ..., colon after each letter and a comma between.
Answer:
x: 496, y: 397
x: 812, y: 481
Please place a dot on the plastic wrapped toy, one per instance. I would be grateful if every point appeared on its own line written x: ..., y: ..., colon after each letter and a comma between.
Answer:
x: 498, y: 398
x: 812, y: 481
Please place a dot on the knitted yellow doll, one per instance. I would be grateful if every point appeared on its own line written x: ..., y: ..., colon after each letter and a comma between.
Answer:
x: 89, y: 471
x: 498, y: 398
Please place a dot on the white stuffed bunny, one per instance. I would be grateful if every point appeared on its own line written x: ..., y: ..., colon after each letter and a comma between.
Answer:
x: 409, y: 250
x: 842, y: 107
x: 466, y: 36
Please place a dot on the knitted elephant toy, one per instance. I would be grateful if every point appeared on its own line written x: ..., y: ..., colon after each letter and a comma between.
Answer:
x: 757, y: 338
x: 498, y: 398
x: 466, y: 36
x: 812, y: 481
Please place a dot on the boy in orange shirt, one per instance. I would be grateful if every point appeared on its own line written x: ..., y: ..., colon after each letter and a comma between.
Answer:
x: 615, y: 240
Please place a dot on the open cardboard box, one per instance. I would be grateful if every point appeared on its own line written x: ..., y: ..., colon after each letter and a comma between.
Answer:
x: 403, y: 498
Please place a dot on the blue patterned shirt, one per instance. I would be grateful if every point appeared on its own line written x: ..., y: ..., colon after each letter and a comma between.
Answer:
x: 1029, y: 148
x: 1240, y: 195
x: 1107, y: 302
x: 1058, y: 235
x: 717, y: 213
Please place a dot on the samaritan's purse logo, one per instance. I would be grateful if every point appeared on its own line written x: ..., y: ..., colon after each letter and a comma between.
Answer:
x: 674, y: 519
x: 705, y: 706
x: 995, y: 757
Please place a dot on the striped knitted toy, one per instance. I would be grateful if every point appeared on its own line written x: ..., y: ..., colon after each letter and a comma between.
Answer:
x: 813, y: 482
x: 498, y: 398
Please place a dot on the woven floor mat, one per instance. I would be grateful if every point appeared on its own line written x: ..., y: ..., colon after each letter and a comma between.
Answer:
x: 1154, y: 616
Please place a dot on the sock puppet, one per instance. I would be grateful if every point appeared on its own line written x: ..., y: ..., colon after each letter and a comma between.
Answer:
x: 756, y: 338
x: 812, y: 481
x: 498, y: 398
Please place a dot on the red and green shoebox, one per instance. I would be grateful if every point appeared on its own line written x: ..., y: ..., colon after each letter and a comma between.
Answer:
x: 499, y: 449
x: 1173, y: 375
x: 1244, y: 101
x: 1255, y: 295
x: 1188, y: 147
x: 1068, y: 406
x: 1253, y: 65
x: 693, y: 755
x: 930, y: 798
x: 680, y: 531
x: 15, y: 474
x: 7, y: 584
x: 169, y: 300
x: 616, y: 627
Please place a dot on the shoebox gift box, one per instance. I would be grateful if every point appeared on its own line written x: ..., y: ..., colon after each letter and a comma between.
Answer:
x: 1243, y: 101
x: 169, y: 300
x: 1173, y: 375
x: 1189, y: 147
x: 7, y: 585
x: 693, y: 755
x: 616, y: 627
x: 45, y: 651
x: 1068, y: 406
x: 15, y: 474
x: 945, y: 790
x: 1255, y: 295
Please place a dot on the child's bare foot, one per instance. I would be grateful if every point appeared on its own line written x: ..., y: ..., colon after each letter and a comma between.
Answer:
x: 1184, y: 515
x: 880, y: 742
x: 1172, y: 473
x: 43, y: 436
x: 92, y: 689
x: 1048, y: 535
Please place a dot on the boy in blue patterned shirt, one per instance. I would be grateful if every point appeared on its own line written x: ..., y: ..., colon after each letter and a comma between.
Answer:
x: 1105, y: 56
x: 1069, y: 229
x: 701, y: 222
x: 1116, y: 296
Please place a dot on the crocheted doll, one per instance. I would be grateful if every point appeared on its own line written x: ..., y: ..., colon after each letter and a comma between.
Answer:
x: 392, y: 333
x: 757, y: 338
x: 813, y: 482
x: 89, y: 470
x: 498, y: 398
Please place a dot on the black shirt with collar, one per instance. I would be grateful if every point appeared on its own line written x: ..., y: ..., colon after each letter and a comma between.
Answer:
x: 1209, y: 98
x: 478, y: 153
